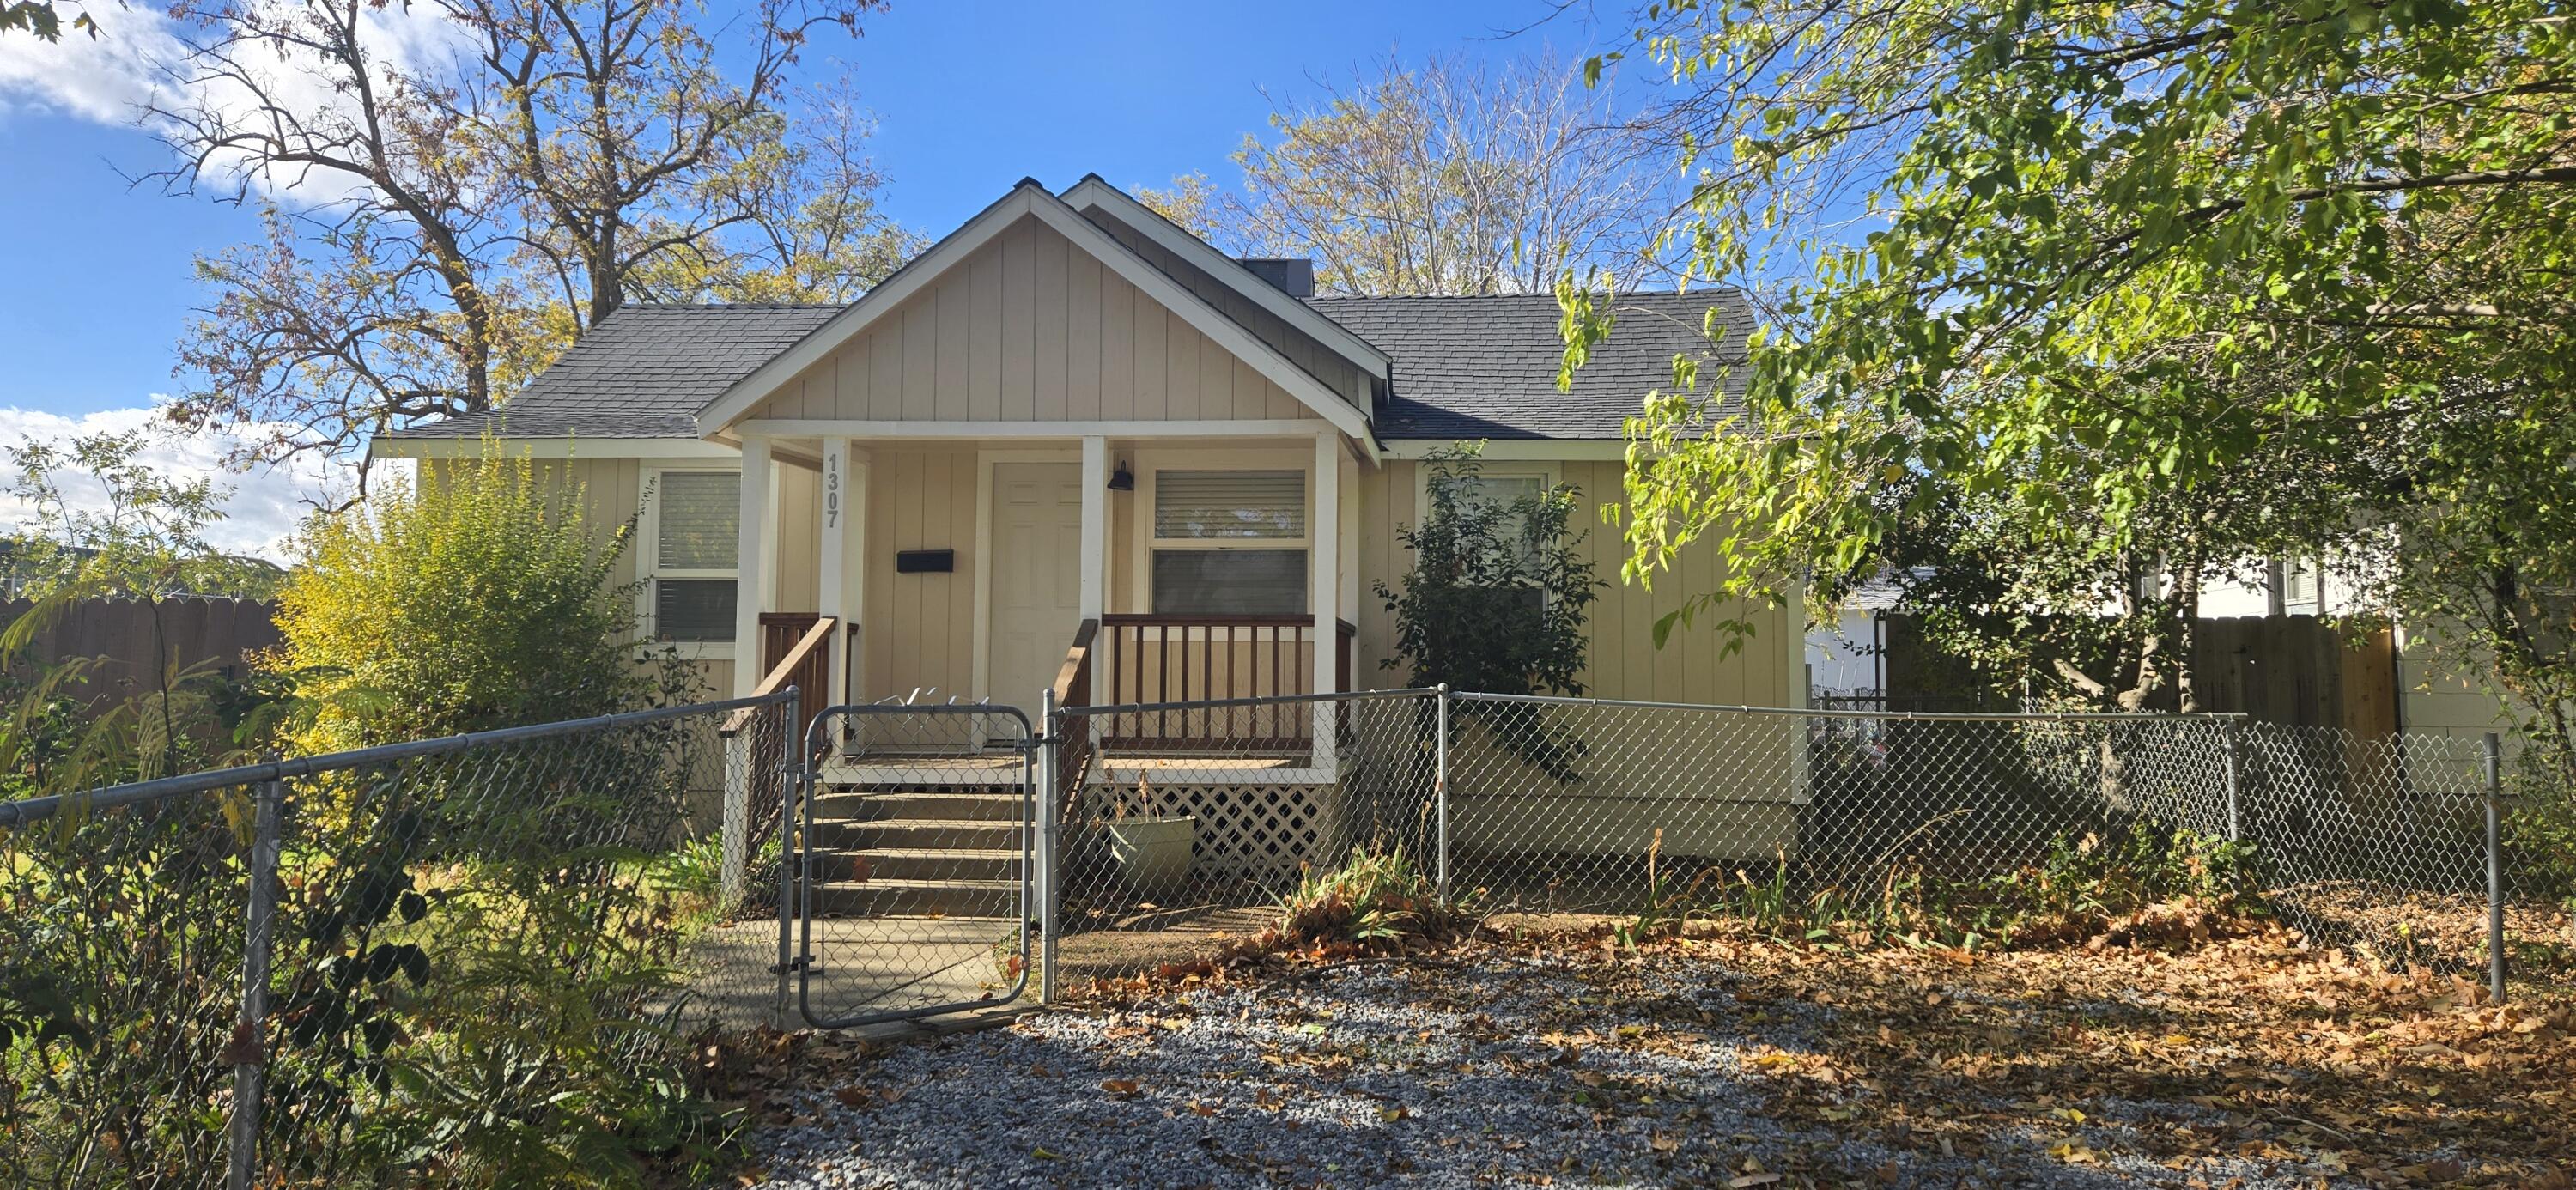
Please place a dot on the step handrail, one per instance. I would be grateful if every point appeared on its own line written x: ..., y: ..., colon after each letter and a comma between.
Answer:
x: 781, y: 674
x: 1072, y: 736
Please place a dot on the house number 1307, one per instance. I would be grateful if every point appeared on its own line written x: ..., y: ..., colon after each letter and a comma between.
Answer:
x: 831, y: 489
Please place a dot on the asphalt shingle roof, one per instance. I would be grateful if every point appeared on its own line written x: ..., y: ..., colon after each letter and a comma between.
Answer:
x: 1485, y: 367
x: 644, y: 372
x: 1465, y: 367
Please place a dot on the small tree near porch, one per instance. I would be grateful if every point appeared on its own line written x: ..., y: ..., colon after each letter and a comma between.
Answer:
x: 1497, y: 598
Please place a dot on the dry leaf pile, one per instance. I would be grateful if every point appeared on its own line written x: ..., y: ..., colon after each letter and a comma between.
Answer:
x: 2229, y: 1058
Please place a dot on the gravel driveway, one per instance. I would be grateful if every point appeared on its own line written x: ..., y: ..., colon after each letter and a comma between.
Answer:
x: 1499, y: 1066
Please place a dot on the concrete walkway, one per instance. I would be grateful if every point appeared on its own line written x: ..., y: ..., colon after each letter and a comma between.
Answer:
x: 865, y: 965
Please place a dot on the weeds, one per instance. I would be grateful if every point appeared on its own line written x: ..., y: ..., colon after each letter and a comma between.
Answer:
x: 1377, y: 900
x: 1666, y: 906
x: 2149, y: 880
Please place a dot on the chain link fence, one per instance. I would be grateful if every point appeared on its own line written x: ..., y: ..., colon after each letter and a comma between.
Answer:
x: 1908, y: 824
x: 2413, y: 848
x: 465, y: 960
x: 475, y: 959
x: 1178, y: 827
x: 916, y: 862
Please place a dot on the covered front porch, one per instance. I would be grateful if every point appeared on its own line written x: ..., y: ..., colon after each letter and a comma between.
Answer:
x: 1157, y: 564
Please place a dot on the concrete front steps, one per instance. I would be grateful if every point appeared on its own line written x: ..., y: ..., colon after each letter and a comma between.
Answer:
x: 946, y: 852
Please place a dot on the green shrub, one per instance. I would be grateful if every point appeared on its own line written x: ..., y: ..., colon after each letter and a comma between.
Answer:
x: 2540, y: 835
x: 477, y: 600
x: 1496, y: 602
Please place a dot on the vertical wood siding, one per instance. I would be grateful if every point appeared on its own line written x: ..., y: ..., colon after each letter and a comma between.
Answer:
x: 919, y: 628
x: 1031, y: 328
x: 1339, y: 374
x: 1623, y: 661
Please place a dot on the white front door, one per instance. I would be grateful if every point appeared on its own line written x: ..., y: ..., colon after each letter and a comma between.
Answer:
x: 1037, y: 578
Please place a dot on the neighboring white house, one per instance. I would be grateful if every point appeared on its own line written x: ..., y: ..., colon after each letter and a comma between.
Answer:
x: 2431, y: 696
x: 1849, y: 655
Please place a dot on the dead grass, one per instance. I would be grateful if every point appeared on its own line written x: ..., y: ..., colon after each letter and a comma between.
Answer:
x: 2276, y: 1050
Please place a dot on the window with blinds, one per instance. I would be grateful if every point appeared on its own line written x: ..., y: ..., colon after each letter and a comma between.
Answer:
x: 1229, y: 543
x: 1219, y: 505
x: 693, y: 609
x: 1509, y: 491
x: 1229, y: 582
x: 701, y: 520
x: 2301, y: 593
x: 696, y: 553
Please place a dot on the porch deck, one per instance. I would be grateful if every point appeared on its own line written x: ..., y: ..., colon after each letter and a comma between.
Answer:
x: 981, y: 770
x: 1000, y: 768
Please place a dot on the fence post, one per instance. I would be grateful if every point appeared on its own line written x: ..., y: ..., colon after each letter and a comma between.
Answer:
x: 1050, y: 832
x: 736, y: 830
x: 1440, y: 788
x: 248, y: 1050
x: 2495, y: 869
x: 792, y: 791
x: 2235, y: 768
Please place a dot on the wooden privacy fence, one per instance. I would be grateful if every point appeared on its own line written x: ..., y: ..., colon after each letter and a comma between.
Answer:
x: 137, y: 641
x: 2299, y: 671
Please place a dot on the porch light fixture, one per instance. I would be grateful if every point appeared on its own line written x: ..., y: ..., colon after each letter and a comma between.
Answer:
x: 1122, y: 479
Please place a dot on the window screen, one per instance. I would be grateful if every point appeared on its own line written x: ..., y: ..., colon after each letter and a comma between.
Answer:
x: 693, y: 609
x: 701, y: 521
x: 2299, y: 585
x: 1222, y: 504
x: 1508, y: 491
x: 1229, y: 582
x: 1505, y: 489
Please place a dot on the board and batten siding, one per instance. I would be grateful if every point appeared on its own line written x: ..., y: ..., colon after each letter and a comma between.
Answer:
x: 614, y: 491
x: 918, y: 630
x: 1337, y: 373
x: 1623, y: 661
x: 1031, y: 328
x: 1711, y: 784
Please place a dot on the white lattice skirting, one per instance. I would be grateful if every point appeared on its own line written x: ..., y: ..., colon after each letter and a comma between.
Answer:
x: 1261, y: 833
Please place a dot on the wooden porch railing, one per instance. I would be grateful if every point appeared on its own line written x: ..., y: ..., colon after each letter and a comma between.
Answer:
x: 791, y: 654
x: 1172, y: 658
x: 1073, y: 689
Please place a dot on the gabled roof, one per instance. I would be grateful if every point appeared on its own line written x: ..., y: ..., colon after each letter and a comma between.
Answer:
x: 1029, y: 198
x: 1093, y: 191
x: 644, y: 372
x: 1458, y: 367
x: 1485, y: 367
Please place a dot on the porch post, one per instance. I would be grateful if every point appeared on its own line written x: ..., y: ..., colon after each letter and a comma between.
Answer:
x: 754, y: 586
x: 1095, y: 527
x: 1325, y: 562
x: 837, y: 591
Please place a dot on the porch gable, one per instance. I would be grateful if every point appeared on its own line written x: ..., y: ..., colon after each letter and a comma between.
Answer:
x: 1031, y: 314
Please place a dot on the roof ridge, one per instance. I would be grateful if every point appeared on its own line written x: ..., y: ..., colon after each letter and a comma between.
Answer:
x: 733, y: 306
x: 1711, y: 291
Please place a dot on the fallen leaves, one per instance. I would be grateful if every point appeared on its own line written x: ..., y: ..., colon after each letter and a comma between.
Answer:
x: 2245, y: 1056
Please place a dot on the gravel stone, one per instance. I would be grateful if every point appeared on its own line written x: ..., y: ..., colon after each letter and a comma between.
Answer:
x: 1511, y: 1070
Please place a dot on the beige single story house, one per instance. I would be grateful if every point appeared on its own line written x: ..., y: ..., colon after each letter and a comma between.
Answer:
x: 1071, y: 412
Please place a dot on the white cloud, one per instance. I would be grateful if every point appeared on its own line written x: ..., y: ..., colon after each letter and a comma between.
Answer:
x: 140, y: 54
x: 261, y: 506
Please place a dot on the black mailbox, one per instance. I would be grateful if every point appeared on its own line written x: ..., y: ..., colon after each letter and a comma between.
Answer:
x: 925, y: 561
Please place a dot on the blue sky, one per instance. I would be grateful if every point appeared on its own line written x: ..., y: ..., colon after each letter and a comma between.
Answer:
x: 94, y: 274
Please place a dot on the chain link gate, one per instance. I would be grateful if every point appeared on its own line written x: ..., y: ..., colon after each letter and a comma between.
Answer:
x: 914, y: 845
